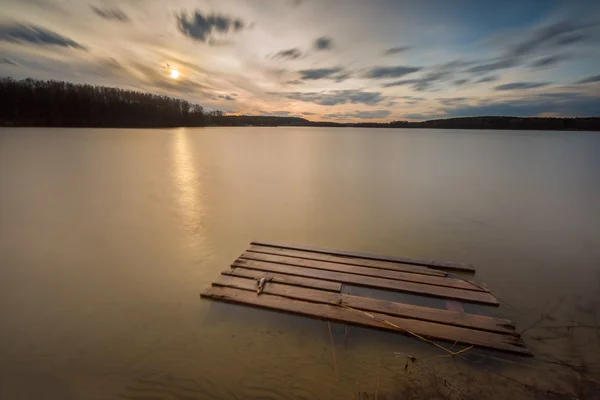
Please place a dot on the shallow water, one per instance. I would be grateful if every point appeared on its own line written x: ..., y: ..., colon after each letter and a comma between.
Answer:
x: 107, y: 236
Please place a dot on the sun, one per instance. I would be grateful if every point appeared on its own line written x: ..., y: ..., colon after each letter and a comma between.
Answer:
x: 174, y: 74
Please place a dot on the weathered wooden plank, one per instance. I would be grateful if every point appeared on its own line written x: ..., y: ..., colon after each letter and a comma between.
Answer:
x: 368, y: 304
x: 366, y: 271
x: 407, y: 326
x: 363, y: 262
x: 285, y: 279
x: 368, y: 281
x: 441, y: 265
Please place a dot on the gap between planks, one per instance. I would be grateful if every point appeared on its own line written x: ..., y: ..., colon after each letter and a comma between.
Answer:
x: 366, y: 271
x: 367, y: 281
x: 441, y: 265
x: 430, y: 330
x: 361, y: 262
x: 239, y: 280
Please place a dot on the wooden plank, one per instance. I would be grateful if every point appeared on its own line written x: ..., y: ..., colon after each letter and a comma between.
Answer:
x: 363, y: 262
x: 353, y: 269
x: 368, y: 304
x: 441, y: 265
x: 285, y: 279
x: 452, y: 334
x: 368, y: 281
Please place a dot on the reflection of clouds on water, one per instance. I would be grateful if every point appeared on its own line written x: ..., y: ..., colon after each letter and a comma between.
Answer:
x: 186, y: 181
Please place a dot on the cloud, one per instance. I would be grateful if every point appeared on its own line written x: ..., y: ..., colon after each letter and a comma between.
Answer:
x: 309, y: 113
x: 549, y: 61
x: 563, y: 104
x: 487, y: 79
x: 417, y: 116
x: 9, y: 61
x: 390, y: 72
x: 295, y: 82
x: 111, y: 14
x: 323, y: 43
x: 21, y: 33
x: 452, y: 100
x: 335, y: 97
x: 521, y: 85
x: 337, y: 73
x: 202, y: 28
x: 297, y: 3
x: 498, y: 64
x: 460, y: 82
x: 437, y: 74
x: 375, y: 114
x: 547, y: 39
x: 589, y: 79
x: 290, y: 54
x: 396, y: 50
x: 227, y: 97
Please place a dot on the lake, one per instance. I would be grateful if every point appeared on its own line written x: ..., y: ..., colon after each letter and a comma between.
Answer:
x: 107, y: 237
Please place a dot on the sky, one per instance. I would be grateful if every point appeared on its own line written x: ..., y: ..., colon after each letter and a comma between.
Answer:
x: 324, y: 60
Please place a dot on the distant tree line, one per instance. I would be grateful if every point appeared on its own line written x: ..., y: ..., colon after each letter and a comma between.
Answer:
x: 508, y: 123
x: 33, y: 102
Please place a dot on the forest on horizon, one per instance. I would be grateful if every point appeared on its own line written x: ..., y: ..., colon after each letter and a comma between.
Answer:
x: 31, y: 102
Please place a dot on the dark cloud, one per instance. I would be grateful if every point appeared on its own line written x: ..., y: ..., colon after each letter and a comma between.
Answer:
x: 564, y: 104
x: 21, y: 33
x: 227, y: 97
x: 309, y: 113
x: 589, y: 79
x: 452, y: 100
x: 417, y: 116
x: 335, y: 97
x: 289, y: 54
x: 487, y: 79
x: 297, y: 3
x: 390, y: 72
x: 202, y: 28
x: 460, y: 82
x: 375, y: 114
x: 295, y: 82
x: 337, y: 73
x: 497, y: 64
x: 404, y: 82
x: 323, y: 43
x: 111, y: 13
x: 396, y: 50
x: 436, y: 75
x: 521, y: 85
x: 549, y: 61
x: 6, y: 60
x: 548, y: 39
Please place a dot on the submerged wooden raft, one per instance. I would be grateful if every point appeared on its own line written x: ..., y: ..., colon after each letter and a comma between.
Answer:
x: 309, y: 281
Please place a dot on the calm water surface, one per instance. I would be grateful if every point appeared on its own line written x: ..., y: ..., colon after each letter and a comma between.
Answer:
x: 107, y: 236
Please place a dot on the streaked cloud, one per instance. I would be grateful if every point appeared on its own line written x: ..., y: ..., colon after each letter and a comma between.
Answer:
x: 335, y: 97
x: 336, y: 73
x: 203, y: 28
x: 23, y: 33
x: 521, y: 85
x: 396, y: 50
x: 323, y: 43
x: 111, y: 13
x: 390, y: 72
x: 590, y: 79
x: 289, y: 54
